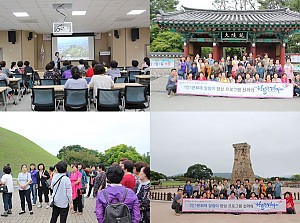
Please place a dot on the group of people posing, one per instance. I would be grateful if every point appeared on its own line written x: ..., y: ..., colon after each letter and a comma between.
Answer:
x: 239, y: 190
x: 125, y: 180
x: 233, y: 70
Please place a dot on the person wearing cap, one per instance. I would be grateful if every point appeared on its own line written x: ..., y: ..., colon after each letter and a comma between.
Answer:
x: 177, y: 201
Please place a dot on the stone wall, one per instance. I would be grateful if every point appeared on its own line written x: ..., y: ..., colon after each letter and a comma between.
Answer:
x: 242, y: 167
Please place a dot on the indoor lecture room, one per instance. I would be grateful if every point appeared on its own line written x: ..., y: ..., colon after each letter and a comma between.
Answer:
x: 73, y: 55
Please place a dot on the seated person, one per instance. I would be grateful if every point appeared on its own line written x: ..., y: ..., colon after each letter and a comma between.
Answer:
x: 20, y: 67
x: 195, y: 195
x: 242, y: 196
x: 284, y: 78
x: 90, y: 71
x: 55, y: 69
x: 202, y: 77
x: 99, y: 80
x: 50, y: 73
x: 177, y: 202
x: 212, y: 78
x: 253, y: 196
x: 194, y: 70
x: 76, y: 82
x: 65, y: 66
x: 134, y: 66
x: 276, y: 79
x: 13, y: 67
x: 297, y: 85
x: 240, y: 80
x: 204, y: 196
x: 232, y: 196
x: 172, y: 80
x: 222, y: 196
x: 113, y: 71
x: 190, y: 76
x: 147, y: 68
x: 262, y: 196
x: 248, y: 79
x: 257, y: 79
x: 27, y: 68
x: 5, y: 77
x: 5, y: 70
x: 268, y: 79
x: 290, y: 206
x: 81, y: 65
x: 224, y: 79
x: 67, y: 73
x: 231, y: 79
x: 146, y: 63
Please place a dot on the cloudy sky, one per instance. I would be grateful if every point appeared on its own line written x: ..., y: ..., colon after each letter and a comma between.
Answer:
x: 99, y: 131
x: 179, y: 140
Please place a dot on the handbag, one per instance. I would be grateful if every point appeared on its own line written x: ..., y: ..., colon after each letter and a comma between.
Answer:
x: 83, y: 190
x: 48, y: 183
x: 3, y: 189
x: 52, y: 202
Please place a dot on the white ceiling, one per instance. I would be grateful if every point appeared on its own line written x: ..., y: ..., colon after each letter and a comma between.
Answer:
x: 101, y: 16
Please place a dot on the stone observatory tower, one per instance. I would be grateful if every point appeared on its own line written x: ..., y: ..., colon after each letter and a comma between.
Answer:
x: 242, y: 167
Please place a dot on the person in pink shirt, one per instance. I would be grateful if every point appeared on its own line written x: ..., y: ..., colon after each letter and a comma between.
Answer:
x: 284, y: 78
x: 201, y: 77
x: 289, y: 70
x: 75, y: 178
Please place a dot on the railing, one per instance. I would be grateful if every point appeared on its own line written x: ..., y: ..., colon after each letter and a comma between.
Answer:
x: 158, y: 187
x: 163, y: 196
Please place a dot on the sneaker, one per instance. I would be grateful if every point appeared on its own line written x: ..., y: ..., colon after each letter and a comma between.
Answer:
x: 31, y: 212
x: 39, y: 206
x: 4, y: 214
x: 33, y: 204
x: 9, y: 212
x: 22, y: 212
x: 47, y: 206
x: 169, y: 95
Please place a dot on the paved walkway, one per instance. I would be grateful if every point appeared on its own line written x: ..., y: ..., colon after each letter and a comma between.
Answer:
x: 43, y: 215
x: 160, y: 102
x: 161, y: 212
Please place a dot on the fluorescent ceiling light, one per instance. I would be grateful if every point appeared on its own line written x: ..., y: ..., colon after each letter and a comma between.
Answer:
x: 136, y: 12
x: 78, y: 12
x: 20, y: 14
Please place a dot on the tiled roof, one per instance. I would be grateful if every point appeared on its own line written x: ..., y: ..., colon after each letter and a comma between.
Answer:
x: 199, y: 17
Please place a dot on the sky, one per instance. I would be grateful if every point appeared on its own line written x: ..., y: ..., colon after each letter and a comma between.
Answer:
x: 199, y: 4
x: 98, y: 131
x: 179, y: 140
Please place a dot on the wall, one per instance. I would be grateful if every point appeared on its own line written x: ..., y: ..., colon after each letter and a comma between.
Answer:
x: 11, y: 52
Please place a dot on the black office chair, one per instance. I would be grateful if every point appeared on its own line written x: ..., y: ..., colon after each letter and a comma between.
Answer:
x: 43, y: 99
x: 131, y: 75
x: 47, y: 82
x: 109, y: 100
x: 76, y: 100
x: 136, y: 97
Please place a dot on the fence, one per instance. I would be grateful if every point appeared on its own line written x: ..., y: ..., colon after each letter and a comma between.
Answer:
x: 169, y: 196
x: 158, y: 187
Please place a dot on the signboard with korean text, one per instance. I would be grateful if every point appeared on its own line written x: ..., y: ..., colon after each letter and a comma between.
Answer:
x: 234, y: 206
x: 243, y: 36
x: 295, y: 58
x: 162, y: 63
x: 213, y: 88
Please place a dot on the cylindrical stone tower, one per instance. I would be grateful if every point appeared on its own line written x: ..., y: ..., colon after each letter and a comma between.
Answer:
x: 242, y: 167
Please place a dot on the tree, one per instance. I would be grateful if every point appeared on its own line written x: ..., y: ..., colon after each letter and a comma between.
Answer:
x: 165, y: 5
x: 199, y: 171
x: 157, y: 176
x: 167, y: 41
x: 234, y: 4
x: 79, y: 154
x: 114, y: 154
x: 296, y: 177
x: 146, y: 158
x: 272, y: 4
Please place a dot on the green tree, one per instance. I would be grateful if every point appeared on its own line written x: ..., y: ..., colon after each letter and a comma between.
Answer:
x: 296, y: 177
x: 199, y: 171
x: 167, y: 41
x: 79, y: 154
x: 294, y: 5
x: 146, y: 158
x: 165, y: 5
x: 157, y: 176
x: 114, y: 154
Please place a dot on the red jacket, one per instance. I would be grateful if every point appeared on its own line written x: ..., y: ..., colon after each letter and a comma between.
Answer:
x: 128, y: 181
x: 290, y: 203
x: 90, y: 72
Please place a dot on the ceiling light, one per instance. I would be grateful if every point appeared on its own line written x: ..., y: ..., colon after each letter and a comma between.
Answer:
x: 78, y: 12
x: 20, y: 14
x: 136, y: 12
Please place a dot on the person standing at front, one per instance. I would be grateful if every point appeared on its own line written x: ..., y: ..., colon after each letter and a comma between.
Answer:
x: 33, y: 185
x: 76, y: 189
x: 24, y: 181
x: 62, y: 193
x: 277, y: 188
x: 42, y: 177
x: 7, y: 180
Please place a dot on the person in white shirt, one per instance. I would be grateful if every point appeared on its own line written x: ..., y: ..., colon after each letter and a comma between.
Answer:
x: 24, y: 181
x: 99, y: 80
x: 7, y: 196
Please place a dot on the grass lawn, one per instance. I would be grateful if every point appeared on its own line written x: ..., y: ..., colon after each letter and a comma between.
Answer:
x: 17, y: 150
x: 173, y: 183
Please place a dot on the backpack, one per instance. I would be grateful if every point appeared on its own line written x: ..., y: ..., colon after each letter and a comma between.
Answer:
x: 117, y: 213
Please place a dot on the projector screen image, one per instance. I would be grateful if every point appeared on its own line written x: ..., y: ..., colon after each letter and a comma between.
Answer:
x: 74, y: 48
